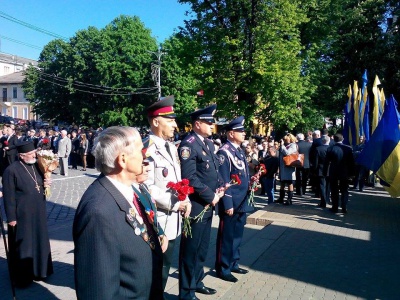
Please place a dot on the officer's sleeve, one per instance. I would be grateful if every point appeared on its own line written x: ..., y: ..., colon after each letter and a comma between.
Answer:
x: 189, y: 171
x: 225, y: 171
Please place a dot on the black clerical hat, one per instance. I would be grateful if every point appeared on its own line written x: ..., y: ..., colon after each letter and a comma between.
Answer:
x: 25, y: 146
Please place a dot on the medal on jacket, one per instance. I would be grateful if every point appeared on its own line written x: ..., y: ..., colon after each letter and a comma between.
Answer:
x: 204, y: 152
x: 165, y: 172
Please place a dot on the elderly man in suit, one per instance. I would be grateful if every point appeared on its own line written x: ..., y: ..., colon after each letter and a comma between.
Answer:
x: 117, y: 241
x: 339, y: 166
x: 199, y: 164
x: 64, y: 149
x: 234, y: 204
x: 10, y: 146
x: 165, y: 167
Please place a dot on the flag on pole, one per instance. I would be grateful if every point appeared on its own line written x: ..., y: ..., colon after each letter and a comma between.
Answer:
x: 382, y: 153
x: 347, y: 112
x: 363, y: 100
x: 365, y: 124
x: 377, y: 103
x: 356, y: 115
x: 382, y: 104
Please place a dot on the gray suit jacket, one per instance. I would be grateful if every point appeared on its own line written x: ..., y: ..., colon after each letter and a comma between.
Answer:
x: 111, y: 261
x: 64, y: 147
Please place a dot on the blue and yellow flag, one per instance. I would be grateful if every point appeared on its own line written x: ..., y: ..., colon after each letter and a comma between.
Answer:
x: 376, y: 116
x: 382, y: 153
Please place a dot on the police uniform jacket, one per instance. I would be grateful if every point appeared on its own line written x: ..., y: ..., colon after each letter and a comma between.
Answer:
x: 199, y: 165
x: 163, y: 169
x: 233, y: 162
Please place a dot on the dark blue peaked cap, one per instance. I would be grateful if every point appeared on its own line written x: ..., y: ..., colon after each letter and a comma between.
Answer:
x: 236, y: 124
x: 205, y: 114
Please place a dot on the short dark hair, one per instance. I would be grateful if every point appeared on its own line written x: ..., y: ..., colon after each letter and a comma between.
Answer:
x: 338, y: 137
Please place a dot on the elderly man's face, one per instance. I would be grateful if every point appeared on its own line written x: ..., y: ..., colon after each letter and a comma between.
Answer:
x: 29, y: 157
x: 134, y: 157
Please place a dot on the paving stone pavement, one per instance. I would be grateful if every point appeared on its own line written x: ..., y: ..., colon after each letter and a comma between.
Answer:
x: 306, y: 253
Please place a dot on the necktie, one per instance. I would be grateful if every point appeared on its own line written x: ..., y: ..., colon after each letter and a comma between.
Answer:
x: 142, y: 213
x: 168, y: 150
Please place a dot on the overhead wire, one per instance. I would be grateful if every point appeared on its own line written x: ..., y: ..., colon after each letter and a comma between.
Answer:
x: 20, y: 42
x: 30, y: 26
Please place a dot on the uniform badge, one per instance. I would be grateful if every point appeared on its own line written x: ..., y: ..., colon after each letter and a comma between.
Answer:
x: 137, y: 231
x: 185, y: 152
x: 165, y: 172
x: 132, y: 212
x: 221, y: 159
x: 207, y: 166
x: 129, y: 217
x: 204, y: 152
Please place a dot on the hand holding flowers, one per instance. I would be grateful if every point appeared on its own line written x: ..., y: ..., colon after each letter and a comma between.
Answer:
x: 47, y: 162
x: 182, y: 190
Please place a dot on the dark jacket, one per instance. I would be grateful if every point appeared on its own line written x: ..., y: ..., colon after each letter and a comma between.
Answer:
x: 339, y: 161
x: 305, y: 148
x: 111, y: 260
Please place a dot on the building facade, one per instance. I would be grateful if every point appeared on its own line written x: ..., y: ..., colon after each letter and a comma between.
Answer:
x: 13, y: 102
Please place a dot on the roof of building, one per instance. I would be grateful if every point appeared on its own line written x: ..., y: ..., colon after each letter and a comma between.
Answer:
x: 14, y: 59
x: 17, y: 77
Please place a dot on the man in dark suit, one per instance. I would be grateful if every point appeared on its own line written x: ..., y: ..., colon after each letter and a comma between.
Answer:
x: 117, y: 243
x: 200, y: 166
x: 324, y: 189
x: 302, y: 173
x: 10, y: 146
x: 339, y: 166
x: 263, y: 153
x: 234, y: 204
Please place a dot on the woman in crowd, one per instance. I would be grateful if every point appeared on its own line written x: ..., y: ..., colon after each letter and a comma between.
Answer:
x: 286, y: 173
x: 83, y: 150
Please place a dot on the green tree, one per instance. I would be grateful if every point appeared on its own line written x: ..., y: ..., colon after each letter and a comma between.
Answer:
x: 100, y: 77
x: 249, y: 58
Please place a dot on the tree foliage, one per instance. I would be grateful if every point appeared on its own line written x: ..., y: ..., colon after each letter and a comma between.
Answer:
x: 98, y: 77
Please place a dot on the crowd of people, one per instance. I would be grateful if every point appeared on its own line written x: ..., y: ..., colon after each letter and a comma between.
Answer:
x: 127, y: 223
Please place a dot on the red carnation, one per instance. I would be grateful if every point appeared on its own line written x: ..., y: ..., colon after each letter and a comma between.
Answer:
x: 45, y: 141
x: 5, y: 143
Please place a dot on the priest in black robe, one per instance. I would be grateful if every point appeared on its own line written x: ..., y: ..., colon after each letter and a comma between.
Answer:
x: 25, y: 206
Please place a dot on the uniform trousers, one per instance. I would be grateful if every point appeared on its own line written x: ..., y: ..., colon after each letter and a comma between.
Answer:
x: 230, y: 234
x: 193, y: 253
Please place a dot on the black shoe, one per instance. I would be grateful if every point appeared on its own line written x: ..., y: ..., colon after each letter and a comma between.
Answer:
x: 334, y: 210
x: 240, y: 271
x: 321, y: 205
x: 206, y: 290
x: 287, y: 203
x: 279, y: 201
x: 228, y: 277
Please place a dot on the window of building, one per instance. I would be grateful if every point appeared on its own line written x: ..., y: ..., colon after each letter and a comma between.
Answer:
x: 15, y: 93
x: 4, y: 111
x: 25, y: 113
x: 6, y: 70
x: 4, y: 94
x: 14, y: 112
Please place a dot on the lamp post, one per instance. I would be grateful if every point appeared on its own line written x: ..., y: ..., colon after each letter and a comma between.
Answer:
x: 156, y: 69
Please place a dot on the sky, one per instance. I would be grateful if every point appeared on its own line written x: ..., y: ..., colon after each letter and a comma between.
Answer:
x: 66, y: 17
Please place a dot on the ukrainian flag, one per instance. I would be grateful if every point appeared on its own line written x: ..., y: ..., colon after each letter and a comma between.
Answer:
x: 382, y: 153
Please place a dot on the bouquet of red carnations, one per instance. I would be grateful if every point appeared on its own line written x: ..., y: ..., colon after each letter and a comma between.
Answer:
x: 182, y: 190
x: 255, y: 182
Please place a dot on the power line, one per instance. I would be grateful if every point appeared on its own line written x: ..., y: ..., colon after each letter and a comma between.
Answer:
x: 147, y: 92
x: 30, y: 26
x: 19, y: 42
x: 105, y: 89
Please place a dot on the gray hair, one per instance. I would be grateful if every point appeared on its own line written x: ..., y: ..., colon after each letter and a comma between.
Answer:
x: 325, y: 140
x: 109, y: 144
x: 300, y: 136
